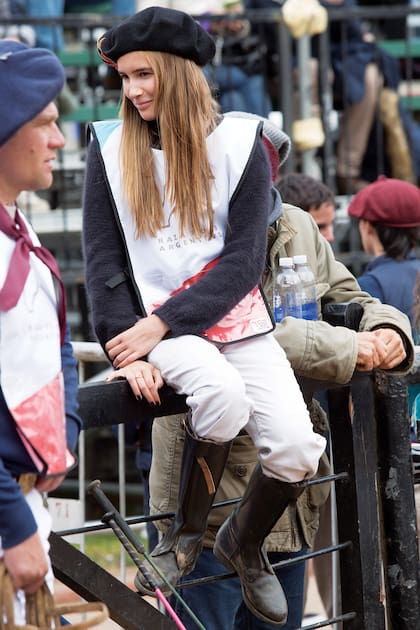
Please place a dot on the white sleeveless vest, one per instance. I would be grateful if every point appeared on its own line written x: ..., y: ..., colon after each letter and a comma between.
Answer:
x: 30, y: 364
x: 170, y: 262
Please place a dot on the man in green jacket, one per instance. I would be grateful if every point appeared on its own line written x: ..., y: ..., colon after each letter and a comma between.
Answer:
x: 315, y: 349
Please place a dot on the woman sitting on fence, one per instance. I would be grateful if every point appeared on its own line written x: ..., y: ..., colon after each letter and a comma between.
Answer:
x: 175, y: 194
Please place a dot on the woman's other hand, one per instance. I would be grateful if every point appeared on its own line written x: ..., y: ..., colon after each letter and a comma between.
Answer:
x: 136, y: 342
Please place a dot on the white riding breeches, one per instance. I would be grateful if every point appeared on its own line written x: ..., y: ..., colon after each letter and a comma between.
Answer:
x: 247, y: 385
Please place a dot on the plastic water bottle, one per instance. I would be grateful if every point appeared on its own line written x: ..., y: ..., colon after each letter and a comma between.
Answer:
x: 287, y: 292
x: 308, y: 296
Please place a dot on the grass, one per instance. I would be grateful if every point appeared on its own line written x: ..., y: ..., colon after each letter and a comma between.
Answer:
x: 104, y: 548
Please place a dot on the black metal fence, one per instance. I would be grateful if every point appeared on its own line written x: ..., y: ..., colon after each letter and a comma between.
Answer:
x: 369, y: 424
x: 373, y: 476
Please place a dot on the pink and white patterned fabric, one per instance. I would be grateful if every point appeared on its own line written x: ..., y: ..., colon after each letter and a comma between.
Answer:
x: 30, y: 365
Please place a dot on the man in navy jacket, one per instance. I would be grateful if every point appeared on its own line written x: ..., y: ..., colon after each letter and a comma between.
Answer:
x: 39, y: 423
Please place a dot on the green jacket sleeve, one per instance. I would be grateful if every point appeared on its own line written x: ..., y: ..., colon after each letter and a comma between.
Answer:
x: 314, y: 348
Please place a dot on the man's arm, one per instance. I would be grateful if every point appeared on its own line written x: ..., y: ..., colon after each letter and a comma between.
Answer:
x: 73, y: 420
x: 71, y: 384
x: 23, y: 554
x: 326, y: 352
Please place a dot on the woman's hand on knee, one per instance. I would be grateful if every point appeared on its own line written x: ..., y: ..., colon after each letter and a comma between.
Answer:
x: 136, y: 342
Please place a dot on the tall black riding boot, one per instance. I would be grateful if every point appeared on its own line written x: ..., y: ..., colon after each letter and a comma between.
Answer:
x: 239, y: 544
x: 202, y: 467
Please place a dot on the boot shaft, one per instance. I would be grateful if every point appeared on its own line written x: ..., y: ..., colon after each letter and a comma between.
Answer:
x: 203, y: 463
x: 202, y: 467
x: 264, y: 501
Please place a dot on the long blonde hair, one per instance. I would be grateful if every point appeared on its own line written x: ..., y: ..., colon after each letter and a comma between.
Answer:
x: 185, y: 114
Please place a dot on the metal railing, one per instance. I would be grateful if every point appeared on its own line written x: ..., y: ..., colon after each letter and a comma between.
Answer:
x: 376, y: 521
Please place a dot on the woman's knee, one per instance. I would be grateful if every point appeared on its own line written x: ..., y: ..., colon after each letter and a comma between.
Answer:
x: 294, y: 458
x: 228, y: 392
x: 220, y: 408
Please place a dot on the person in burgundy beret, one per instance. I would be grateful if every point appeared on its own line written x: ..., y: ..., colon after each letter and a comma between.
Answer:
x: 39, y: 421
x: 389, y: 223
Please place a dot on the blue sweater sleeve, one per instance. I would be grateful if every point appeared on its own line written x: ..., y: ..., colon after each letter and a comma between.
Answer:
x: 71, y: 384
x: 16, y: 520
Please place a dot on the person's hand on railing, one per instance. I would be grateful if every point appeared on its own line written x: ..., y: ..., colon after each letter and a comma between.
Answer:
x: 396, y: 352
x: 144, y: 379
x: 382, y: 348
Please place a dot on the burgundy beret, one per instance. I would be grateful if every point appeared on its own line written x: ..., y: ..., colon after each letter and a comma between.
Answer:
x: 388, y: 201
x: 161, y: 30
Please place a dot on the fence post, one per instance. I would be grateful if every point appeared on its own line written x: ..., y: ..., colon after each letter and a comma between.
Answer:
x: 354, y: 448
x: 401, y: 554
x: 286, y: 89
x: 363, y: 418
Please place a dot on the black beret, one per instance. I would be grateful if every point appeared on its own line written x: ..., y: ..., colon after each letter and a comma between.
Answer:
x: 30, y: 79
x: 160, y: 30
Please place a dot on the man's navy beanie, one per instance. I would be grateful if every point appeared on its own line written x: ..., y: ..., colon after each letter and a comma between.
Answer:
x: 30, y: 79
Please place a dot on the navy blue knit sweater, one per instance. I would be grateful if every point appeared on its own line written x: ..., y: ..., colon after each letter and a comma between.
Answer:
x: 115, y: 301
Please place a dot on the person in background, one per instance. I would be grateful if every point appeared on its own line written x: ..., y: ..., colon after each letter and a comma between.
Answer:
x: 238, y: 72
x: 21, y: 32
x: 365, y: 88
x: 52, y: 36
x: 118, y: 8
x: 38, y: 375
x: 363, y: 79
x: 310, y: 195
x: 177, y: 215
x: 388, y: 212
x: 334, y: 355
x: 389, y: 277
x: 47, y: 36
